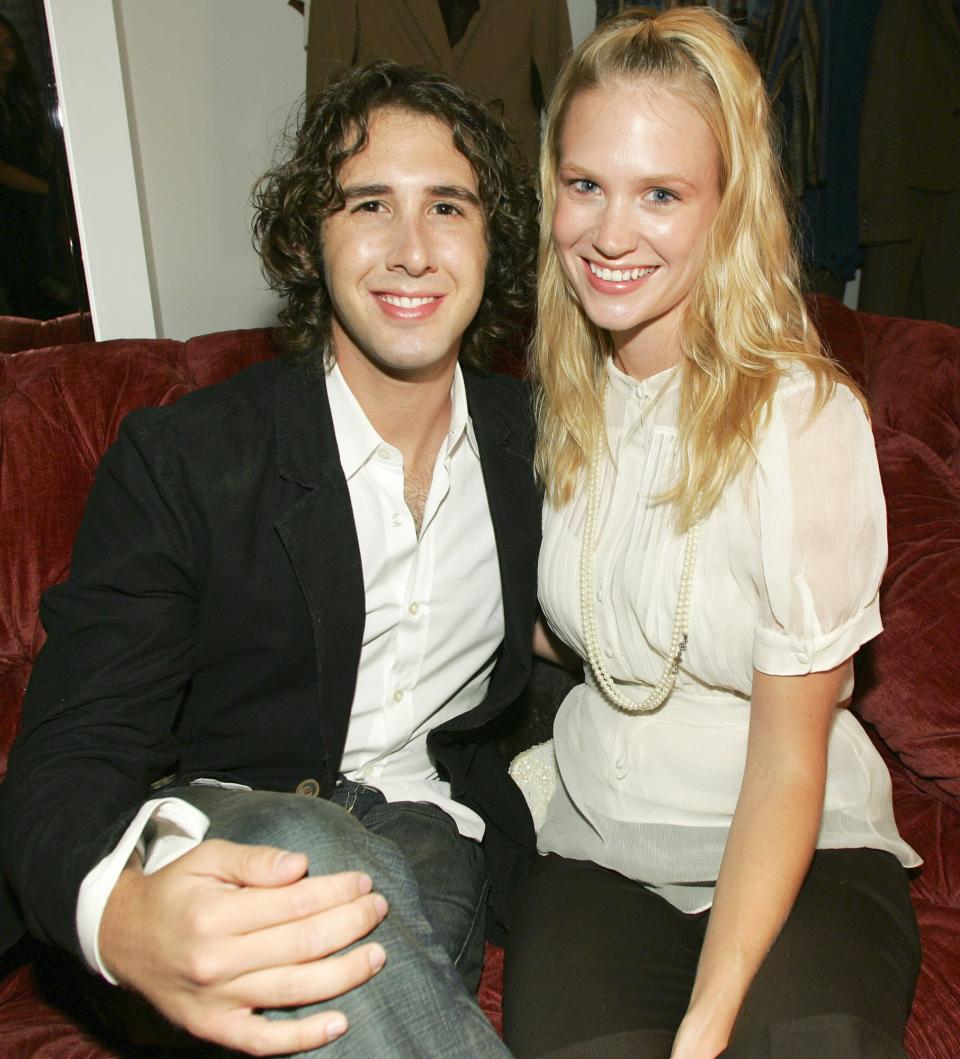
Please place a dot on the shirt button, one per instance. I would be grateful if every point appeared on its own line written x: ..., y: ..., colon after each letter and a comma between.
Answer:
x: 600, y: 595
x: 608, y: 652
x: 396, y: 519
x: 308, y: 788
x: 398, y: 696
x: 383, y: 452
x: 619, y: 763
x: 803, y: 659
x: 414, y: 608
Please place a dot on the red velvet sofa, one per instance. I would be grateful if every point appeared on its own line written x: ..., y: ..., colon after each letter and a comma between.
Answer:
x: 60, y: 408
x: 17, y: 332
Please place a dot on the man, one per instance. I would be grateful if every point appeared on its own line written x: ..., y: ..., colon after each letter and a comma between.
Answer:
x: 317, y: 578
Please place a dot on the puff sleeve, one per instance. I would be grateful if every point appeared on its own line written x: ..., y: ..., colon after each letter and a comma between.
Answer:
x: 821, y: 521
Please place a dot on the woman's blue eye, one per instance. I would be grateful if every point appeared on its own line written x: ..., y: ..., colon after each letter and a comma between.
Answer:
x: 586, y: 186
x: 661, y: 195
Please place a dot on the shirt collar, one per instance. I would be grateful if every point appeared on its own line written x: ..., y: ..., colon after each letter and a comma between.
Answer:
x: 651, y: 387
x: 460, y: 422
x: 357, y: 440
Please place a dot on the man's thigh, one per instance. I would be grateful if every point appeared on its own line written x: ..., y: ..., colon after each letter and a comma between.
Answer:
x: 450, y: 874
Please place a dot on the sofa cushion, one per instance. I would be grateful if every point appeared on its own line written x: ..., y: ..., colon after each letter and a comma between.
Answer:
x: 60, y: 409
x: 909, y: 368
x: 910, y: 676
x: 18, y: 333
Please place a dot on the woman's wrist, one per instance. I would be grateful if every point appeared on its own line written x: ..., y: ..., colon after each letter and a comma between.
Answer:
x: 702, y: 1034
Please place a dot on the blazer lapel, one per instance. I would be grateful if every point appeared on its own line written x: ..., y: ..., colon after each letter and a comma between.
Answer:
x: 515, y: 514
x: 320, y: 538
x: 425, y: 14
x: 462, y: 46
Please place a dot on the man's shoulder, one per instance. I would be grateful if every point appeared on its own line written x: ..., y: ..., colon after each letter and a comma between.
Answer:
x: 219, y: 415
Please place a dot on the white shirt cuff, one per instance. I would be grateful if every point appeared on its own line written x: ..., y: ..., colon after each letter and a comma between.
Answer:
x: 176, y: 828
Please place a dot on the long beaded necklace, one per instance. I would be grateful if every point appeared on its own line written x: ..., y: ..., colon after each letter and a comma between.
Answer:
x: 588, y: 614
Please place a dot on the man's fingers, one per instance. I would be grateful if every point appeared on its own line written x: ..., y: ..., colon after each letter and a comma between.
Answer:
x: 290, y: 943
x: 250, y: 908
x: 242, y: 865
x: 245, y: 1032
x: 307, y: 983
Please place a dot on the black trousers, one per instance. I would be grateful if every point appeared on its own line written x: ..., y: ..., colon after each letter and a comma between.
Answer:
x: 598, y: 966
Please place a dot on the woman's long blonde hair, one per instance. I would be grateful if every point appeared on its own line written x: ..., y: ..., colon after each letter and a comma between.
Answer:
x: 745, y: 320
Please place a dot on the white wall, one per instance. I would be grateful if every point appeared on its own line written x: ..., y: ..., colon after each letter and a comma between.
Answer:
x: 83, y: 40
x: 583, y: 17
x: 210, y: 85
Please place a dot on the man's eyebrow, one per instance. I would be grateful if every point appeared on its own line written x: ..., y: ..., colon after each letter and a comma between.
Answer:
x: 442, y: 191
x: 366, y: 191
x: 455, y: 191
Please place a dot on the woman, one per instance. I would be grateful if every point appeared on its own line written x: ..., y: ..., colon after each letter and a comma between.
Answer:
x: 722, y: 867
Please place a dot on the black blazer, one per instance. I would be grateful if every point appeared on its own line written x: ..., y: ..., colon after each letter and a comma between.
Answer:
x: 212, y: 625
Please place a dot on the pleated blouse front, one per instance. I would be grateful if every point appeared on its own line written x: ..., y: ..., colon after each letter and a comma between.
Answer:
x: 786, y: 581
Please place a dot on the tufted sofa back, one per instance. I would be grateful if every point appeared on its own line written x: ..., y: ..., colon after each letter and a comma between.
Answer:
x: 910, y: 370
x: 60, y: 408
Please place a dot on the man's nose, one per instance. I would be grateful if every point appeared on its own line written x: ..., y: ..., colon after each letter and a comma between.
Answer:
x: 411, y: 248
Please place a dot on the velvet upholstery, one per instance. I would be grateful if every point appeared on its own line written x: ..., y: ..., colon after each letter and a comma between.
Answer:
x: 17, y: 332
x: 60, y: 407
x: 920, y: 603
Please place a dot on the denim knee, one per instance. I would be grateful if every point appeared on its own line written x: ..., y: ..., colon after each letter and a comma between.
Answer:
x: 330, y: 837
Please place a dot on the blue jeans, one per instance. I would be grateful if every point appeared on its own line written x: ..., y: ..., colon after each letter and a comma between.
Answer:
x: 448, y: 869
x: 418, y: 1005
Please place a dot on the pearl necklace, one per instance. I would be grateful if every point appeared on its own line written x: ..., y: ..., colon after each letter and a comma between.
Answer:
x: 588, y: 614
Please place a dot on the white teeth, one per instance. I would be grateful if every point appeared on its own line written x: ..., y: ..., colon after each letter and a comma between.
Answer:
x: 618, y: 275
x: 404, y: 302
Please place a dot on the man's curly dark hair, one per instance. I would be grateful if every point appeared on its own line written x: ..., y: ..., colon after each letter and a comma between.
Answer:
x: 293, y: 199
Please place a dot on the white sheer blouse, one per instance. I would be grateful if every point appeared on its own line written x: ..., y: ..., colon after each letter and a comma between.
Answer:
x: 786, y: 579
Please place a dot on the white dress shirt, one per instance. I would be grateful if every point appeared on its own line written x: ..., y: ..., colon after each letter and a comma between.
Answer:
x: 434, y: 624
x: 786, y: 581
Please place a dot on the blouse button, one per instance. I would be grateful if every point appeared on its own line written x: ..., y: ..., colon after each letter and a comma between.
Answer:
x: 608, y: 652
x: 803, y: 659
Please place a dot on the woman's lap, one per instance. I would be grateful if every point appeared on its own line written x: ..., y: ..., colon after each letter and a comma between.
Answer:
x: 595, y: 955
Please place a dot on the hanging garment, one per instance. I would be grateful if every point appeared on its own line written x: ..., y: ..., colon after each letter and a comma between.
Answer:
x: 456, y: 17
x: 910, y: 163
x: 509, y: 52
x: 830, y: 225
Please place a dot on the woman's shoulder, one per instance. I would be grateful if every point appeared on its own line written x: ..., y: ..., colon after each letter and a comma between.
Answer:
x: 819, y: 410
x: 799, y: 387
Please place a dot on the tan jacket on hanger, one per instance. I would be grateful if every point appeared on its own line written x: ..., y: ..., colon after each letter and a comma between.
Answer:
x: 492, y: 60
x: 910, y: 125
